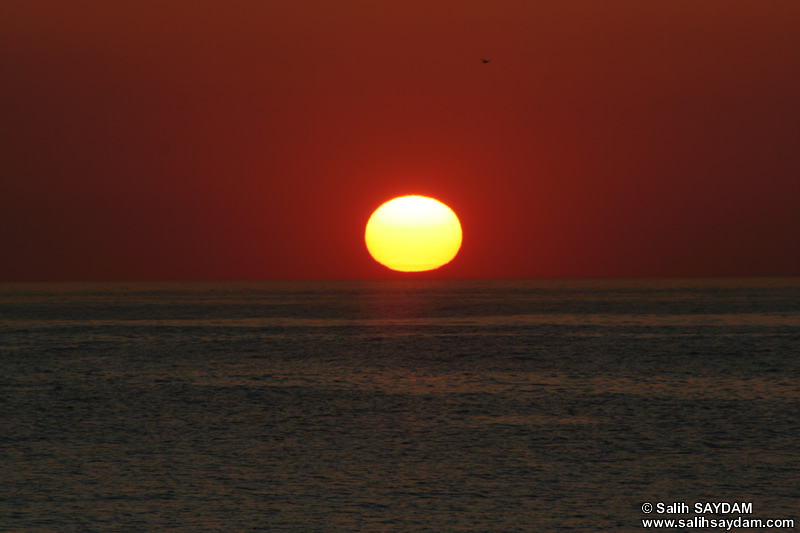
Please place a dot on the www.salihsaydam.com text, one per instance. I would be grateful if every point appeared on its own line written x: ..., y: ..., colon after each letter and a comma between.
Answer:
x: 727, y: 523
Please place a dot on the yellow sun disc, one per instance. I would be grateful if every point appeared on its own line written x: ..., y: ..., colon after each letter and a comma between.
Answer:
x: 413, y: 234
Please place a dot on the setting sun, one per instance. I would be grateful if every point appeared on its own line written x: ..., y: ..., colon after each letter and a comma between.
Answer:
x: 413, y: 234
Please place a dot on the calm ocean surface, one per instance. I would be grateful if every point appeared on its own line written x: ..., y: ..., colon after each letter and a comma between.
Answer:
x: 549, y: 405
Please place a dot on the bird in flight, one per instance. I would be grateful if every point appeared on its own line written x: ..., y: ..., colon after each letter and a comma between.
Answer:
x: 485, y: 60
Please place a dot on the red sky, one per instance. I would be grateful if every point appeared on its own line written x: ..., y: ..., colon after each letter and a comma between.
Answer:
x: 249, y: 139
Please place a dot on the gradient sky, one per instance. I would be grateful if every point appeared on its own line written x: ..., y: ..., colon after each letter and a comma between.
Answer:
x: 252, y: 139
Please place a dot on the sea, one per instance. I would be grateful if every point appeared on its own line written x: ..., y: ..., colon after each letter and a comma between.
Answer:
x: 408, y: 405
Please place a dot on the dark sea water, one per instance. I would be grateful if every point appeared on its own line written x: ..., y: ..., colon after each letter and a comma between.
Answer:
x: 396, y: 406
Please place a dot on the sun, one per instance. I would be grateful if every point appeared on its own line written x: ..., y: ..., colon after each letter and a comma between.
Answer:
x: 413, y: 234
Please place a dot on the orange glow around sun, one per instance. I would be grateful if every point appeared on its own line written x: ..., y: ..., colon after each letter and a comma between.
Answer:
x: 413, y: 234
